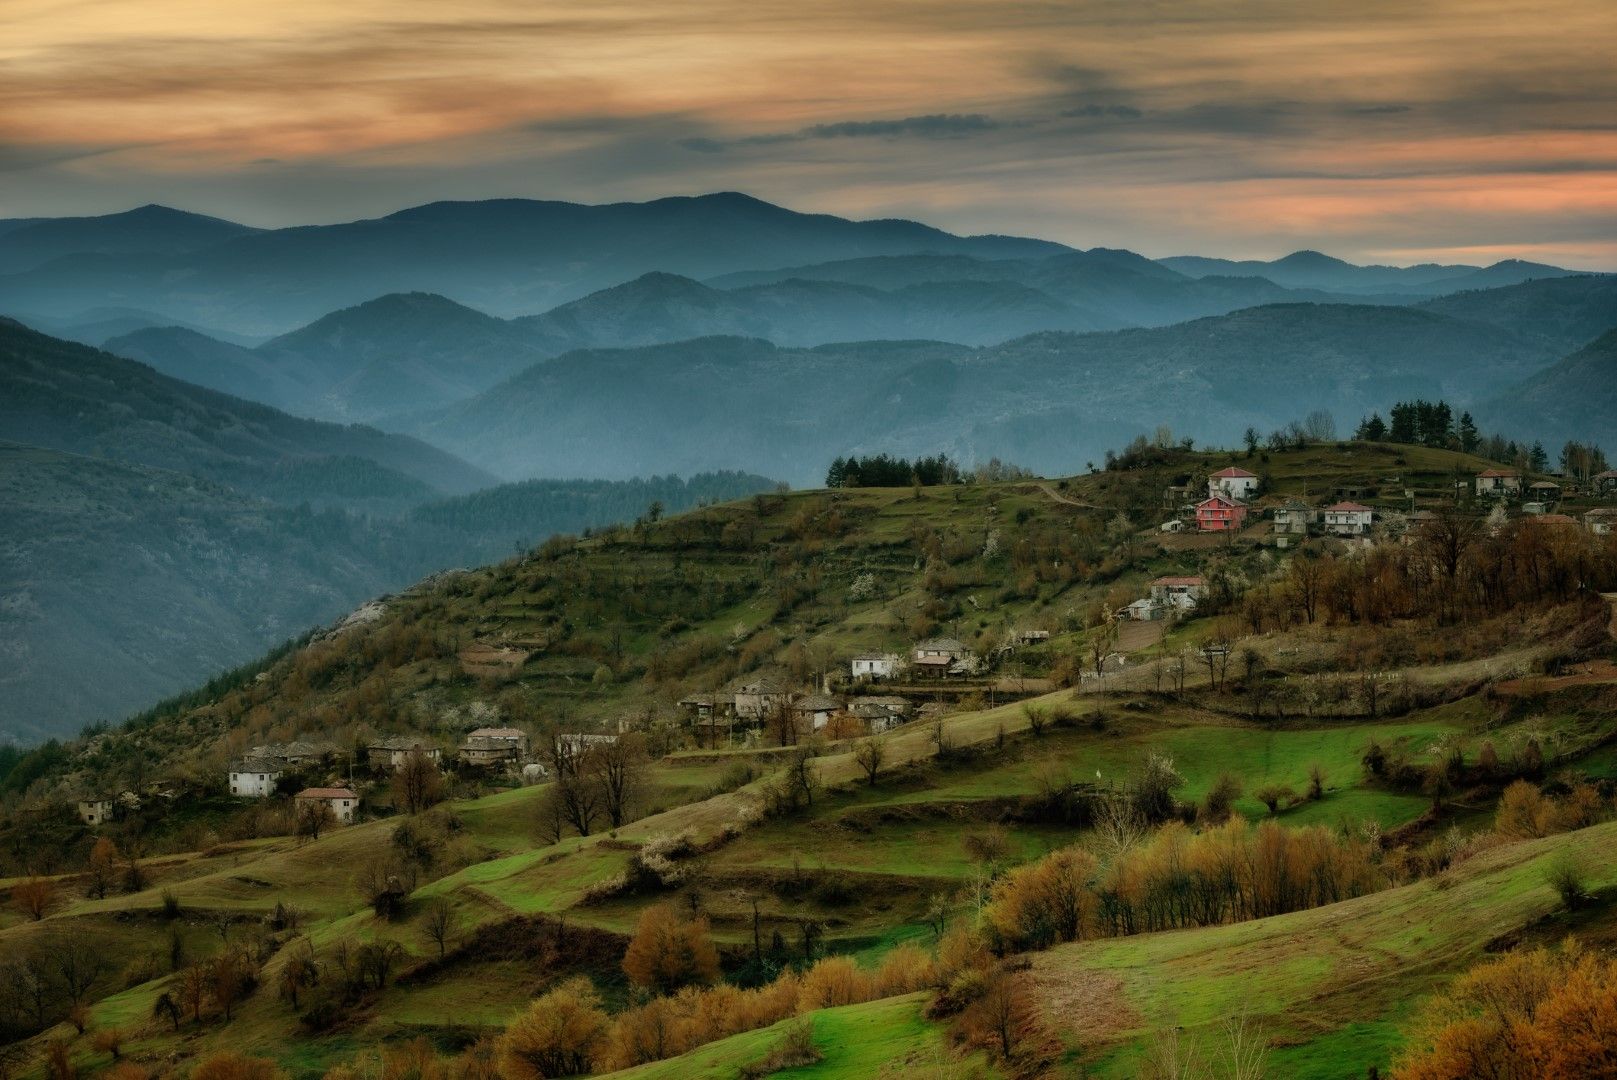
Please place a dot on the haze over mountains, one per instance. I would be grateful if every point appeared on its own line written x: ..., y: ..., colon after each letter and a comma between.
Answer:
x: 389, y: 373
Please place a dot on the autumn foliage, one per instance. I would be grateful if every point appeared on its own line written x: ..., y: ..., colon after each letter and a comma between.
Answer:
x: 1538, y: 1013
x: 560, y: 1034
x: 668, y: 952
x: 1179, y: 878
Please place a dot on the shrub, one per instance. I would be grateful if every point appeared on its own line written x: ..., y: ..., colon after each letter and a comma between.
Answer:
x: 560, y: 1034
x: 1566, y: 875
x: 668, y: 952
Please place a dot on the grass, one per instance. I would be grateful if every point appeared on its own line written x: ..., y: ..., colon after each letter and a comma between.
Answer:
x: 1332, y: 986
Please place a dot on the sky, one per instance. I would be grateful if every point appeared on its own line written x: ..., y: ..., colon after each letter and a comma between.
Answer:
x: 1448, y: 130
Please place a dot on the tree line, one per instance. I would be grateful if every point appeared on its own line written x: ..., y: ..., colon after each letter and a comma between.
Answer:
x: 882, y: 470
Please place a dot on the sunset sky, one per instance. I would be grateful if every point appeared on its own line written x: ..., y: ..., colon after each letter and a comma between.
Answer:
x: 1455, y: 130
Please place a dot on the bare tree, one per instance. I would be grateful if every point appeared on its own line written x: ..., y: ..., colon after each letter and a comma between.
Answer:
x: 417, y: 784
x: 620, y: 770
x: 869, y: 755
x: 78, y: 962
x: 439, y: 924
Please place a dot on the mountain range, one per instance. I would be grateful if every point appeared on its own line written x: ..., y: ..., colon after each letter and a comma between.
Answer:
x: 513, y: 257
x: 506, y: 256
x: 280, y: 423
x: 1047, y: 400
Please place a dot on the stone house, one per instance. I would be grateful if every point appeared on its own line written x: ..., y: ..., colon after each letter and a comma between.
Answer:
x: 255, y: 777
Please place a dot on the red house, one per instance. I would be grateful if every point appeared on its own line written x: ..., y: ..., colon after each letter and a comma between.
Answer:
x: 1219, y: 514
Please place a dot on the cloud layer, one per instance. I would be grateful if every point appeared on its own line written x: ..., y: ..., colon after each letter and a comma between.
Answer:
x: 1452, y: 129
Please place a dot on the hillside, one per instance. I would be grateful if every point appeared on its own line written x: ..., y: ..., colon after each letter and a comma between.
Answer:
x: 65, y: 396
x: 505, y: 256
x: 154, y: 580
x: 1049, y: 401
x: 1564, y: 313
x: 1574, y: 397
x: 623, y: 625
x: 157, y: 580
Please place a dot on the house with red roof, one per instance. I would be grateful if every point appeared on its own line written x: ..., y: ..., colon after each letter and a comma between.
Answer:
x: 1233, y: 483
x: 1499, y: 483
x: 1220, y: 514
x: 342, y: 801
x: 1348, y: 519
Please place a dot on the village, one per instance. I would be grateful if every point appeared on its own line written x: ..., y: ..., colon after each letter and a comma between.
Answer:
x: 876, y: 690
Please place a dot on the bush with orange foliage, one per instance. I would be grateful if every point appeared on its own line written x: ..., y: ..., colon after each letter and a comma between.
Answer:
x: 1548, y: 1015
x: 668, y: 952
x: 1046, y: 902
x: 1525, y: 811
x: 228, y: 1065
x: 833, y: 981
x: 560, y: 1034
x: 1178, y: 878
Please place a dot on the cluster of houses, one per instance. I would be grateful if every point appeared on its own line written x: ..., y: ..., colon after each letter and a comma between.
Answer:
x: 1231, y: 493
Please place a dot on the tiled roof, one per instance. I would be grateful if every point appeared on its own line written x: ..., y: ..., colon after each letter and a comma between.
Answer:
x: 1191, y: 580
x: 326, y: 793
x: 1348, y: 508
x: 1233, y: 473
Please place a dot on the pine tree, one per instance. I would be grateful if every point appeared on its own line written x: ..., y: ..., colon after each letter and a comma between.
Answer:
x: 1470, y: 439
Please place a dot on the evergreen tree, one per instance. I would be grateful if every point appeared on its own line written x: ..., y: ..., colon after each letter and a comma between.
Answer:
x: 1470, y: 439
x: 1537, y: 459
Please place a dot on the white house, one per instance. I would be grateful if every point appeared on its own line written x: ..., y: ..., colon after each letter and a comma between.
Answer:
x: 342, y: 801
x: 875, y: 665
x: 1178, y: 592
x: 1499, y: 482
x: 576, y: 742
x: 1348, y: 519
x: 255, y: 777
x: 1232, y: 483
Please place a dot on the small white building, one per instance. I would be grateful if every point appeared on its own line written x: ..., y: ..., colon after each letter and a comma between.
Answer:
x: 1182, y: 593
x: 875, y: 665
x: 342, y: 801
x: 255, y: 777
x: 1232, y: 483
x: 95, y: 811
x: 1348, y: 519
x: 1499, y: 483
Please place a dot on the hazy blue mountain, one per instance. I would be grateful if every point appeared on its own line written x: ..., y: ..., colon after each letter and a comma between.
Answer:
x: 1563, y: 312
x: 1574, y: 398
x: 1050, y: 400
x: 146, y: 230
x: 97, y: 326
x: 505, y: 256
x: 155, y: 580
x: 65, y: 396
x: 659, y: 308
x: 1102, y: 288
x: 1315, y: 270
